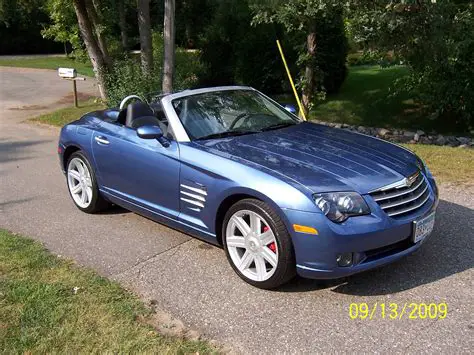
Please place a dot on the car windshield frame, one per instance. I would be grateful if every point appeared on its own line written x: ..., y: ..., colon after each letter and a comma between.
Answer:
x: 276, y: 115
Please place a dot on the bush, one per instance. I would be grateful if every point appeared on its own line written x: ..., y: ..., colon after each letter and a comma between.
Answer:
x: 126, y: 77
x: 189, y: 69
x: 436, y: 41
x: 443, y: 68
x: 373, y: 57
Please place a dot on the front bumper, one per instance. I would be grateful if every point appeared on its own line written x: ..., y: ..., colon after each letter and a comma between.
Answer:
x: 374, y: 240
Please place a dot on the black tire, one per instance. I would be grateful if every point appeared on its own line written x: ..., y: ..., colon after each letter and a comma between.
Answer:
x: 286, y: 266
x: 97, y: 203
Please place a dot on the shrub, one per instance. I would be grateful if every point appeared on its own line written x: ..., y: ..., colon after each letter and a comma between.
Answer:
x: 126, y: 77
x: 189, y: 69
x: 373, y: 57
x: 436, y: 41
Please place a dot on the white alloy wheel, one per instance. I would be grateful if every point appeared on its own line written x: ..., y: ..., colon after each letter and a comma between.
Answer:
x: 252, y: 245
x: 79, y: 182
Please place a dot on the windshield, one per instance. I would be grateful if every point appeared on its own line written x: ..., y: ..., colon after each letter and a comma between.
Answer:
x: 230, y: 112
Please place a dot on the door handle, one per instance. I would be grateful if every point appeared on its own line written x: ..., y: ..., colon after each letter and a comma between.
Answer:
x: 101, y: 140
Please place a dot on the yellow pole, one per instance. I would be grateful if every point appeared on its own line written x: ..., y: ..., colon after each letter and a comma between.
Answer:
x: 291, y: 81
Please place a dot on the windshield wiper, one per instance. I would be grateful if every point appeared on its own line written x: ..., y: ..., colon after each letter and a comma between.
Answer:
x: 278, y: 126
x: 225, y: 134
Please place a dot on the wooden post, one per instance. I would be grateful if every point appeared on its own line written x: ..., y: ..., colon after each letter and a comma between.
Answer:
x: 74, y: 91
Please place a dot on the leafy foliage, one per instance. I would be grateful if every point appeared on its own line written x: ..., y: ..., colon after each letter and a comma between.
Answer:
x: 126, y: 76
x: 301, y: 17
x: 63, y: 27
x: 436, y: 39
x: 372, y: 57
x: 235, y: 53
x: 21, y: 22
x: 190, y: 22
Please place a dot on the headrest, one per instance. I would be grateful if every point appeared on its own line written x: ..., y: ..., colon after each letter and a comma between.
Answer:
x: 136, y: 110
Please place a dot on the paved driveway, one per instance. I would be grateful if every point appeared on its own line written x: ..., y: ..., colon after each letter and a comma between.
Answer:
x: 192, y: 280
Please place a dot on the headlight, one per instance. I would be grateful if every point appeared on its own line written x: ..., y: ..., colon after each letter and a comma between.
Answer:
x: 339, y: 206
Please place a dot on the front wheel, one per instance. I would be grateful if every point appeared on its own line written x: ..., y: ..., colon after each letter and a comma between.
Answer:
x: 258, y: 245
x: 82, y: 184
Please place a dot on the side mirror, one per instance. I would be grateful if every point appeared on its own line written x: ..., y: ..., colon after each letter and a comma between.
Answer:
x: 149, y: 132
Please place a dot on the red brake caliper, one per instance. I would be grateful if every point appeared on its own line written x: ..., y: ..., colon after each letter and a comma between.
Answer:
x: 272, y: 245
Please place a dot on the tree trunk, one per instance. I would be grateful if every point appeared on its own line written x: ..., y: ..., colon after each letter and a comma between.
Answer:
x: 123, y: 24
x: 169, y: 39
x: 92, y: 47
x: 93, y: 10
x: 144, y: 27
x: 186, y: 9
x: 308, y: 90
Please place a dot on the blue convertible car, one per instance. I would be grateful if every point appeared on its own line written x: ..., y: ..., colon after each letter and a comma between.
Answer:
x: 232, y: 167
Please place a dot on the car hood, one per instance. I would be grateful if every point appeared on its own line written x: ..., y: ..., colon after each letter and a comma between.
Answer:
x: 320, y: 158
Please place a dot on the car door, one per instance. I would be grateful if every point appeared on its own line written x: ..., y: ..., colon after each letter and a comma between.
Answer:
x: 136, y: 170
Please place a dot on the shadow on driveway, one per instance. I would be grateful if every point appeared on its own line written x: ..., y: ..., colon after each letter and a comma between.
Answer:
x: 17, y: 150
x: 114, y: 209
x: 447, y: 252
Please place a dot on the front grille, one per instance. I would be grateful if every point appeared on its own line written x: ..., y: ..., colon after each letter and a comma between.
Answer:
x: 402, y: 199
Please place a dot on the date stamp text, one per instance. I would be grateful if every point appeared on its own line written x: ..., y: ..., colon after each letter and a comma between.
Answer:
x: 398, y: 311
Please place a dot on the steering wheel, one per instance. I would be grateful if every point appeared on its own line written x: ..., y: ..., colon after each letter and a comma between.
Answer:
x: 238, y: 118
x: 128, y: 98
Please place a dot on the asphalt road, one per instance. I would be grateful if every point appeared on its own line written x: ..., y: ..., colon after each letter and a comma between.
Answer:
x: 192, y: 281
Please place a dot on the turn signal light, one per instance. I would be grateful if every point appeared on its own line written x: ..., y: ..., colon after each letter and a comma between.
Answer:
x: 305, y: 229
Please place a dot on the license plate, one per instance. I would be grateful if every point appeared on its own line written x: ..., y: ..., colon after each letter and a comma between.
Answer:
x: 423, y: 227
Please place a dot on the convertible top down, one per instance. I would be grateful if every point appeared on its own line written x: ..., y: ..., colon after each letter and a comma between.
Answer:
x: 232, y: 167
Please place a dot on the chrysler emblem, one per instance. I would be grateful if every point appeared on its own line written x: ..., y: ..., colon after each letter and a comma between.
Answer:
x: 411, y: 179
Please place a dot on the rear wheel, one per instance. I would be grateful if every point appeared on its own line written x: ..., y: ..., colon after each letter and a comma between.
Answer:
x: 82, y: 184
x: 258, y: 245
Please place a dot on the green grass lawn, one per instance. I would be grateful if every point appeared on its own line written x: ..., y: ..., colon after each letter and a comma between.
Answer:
x: 364, y: 100
x: 40, y: 311
x: 65, y: 115
x: 49, y: 63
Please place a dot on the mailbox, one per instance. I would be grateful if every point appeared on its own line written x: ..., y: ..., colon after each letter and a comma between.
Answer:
x: 67, y: 73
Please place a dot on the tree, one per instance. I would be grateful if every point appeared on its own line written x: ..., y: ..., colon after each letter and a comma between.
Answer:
x: 235, y: 52
x: 95, y: 54
x: 296, y: 16
x: 169, y: 46
x: 21, y: 23
x: 189, y: 22
x: 436, y: 41
x: 93, y: 10
x: 63, y: 27
x: 122, y: 23
x: 144, y: 27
